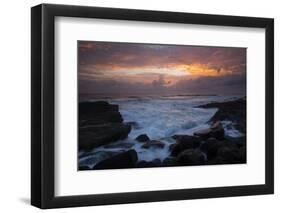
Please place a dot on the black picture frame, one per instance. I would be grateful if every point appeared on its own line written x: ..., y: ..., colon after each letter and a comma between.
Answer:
x: 43, y: 117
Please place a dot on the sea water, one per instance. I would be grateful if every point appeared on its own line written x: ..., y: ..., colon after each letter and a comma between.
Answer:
x: 159, y: 117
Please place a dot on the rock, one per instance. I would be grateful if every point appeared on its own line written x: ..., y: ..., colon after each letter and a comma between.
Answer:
x: 216, y: 131
x: 186, y: 138
x: 229, y: 154
x: 92, y: 158
x: 126, y: 159
x: 157, y: 162
x: 153, y: 144
x: 191, y: 157
x: 184, y: 142
x: 239, y: 141
x: 216, y: 125
x: 230, y: 150
x: 122, y: 145
x: 99, y: 111
x: 147, y: 164
x: 89, y: 107
x: 100, y: 123
x: 93, y: 136
x: 203, y: 133
x: 210, y: 147
x: 144, y: 164
x: 112, y: 117
x: 234, y: 111
x: 243, y: 154
x: 83, y: 168
x: 142, y: 138
x: 170, y: 161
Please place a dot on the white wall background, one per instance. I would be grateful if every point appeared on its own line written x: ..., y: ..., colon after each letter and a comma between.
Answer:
x: 15, y: 105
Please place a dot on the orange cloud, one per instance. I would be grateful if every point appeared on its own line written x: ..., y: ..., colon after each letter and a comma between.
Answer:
x: 205, y: 70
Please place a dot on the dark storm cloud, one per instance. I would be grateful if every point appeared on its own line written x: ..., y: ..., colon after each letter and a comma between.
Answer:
x: 104, y: 55
x: 235, y: 84
x: 109, y: 67
x: 227, y: 85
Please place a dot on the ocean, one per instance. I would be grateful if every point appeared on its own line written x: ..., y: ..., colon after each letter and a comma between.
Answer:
x: 159, y: 117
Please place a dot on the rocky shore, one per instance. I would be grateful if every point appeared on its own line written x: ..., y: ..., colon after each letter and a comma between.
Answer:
x: 101, y: 123
x: 234, y: 111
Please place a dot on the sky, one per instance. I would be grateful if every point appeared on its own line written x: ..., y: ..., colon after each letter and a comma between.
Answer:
x: 112, y: 68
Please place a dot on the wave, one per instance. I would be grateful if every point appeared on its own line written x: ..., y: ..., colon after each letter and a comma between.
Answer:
x: 160, y: 118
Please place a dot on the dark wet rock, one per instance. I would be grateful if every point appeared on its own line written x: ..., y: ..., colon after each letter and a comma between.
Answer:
x: 229, y: 153
x: 100, y: 119
x: 184, y: 142
x: 100, y: 123
x: 238, y: 141
x: 147, y: 164
x: 234, y: 111
x: 122, y: 145
x: 191, y: 157
x: 157, y: 162
x: 216, y: 125
x: 170, y: 161
x: 231, y: 150
x: 203, y: 133
x: 83, y: 168
x: 153, y: 144
x: 211, y: 147
x: 126, y: 159
x: 92, y: 158
x: 142, y: 138
x: 185, y: 138
x: 216, y: 131
x: 93, y: 136
x: 99, y: 111
x: 243, y: 154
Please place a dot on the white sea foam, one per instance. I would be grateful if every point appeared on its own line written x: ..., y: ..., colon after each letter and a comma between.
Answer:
x: 160, y: 118
x: 230, y: 130
x: 164, y: 116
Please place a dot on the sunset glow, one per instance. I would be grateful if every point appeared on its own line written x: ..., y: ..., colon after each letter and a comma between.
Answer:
x: 154, y: 68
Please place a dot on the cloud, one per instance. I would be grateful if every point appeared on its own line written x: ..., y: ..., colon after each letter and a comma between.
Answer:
x: 111, y: 67
x: 235, y: 84
x: 201, y: 85
x: 159, y: 83
x: 114, y: 56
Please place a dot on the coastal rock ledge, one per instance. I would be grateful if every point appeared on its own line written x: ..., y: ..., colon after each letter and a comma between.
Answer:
x: 123, y: 160
x: 212, y: 146
x: 100, y: 123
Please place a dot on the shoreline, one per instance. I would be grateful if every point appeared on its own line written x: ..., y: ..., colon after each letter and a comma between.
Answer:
x: 95, y: 97
x: 226, y: 112
x: 209, y: 146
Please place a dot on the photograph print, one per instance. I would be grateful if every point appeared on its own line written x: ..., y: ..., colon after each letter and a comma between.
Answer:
x: 160, y: 105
